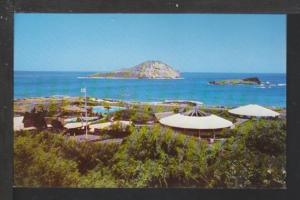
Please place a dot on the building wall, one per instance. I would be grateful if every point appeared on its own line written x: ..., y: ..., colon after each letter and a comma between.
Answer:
x: 197, y: 133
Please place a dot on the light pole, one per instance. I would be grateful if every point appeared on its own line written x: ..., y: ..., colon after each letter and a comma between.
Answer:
x: 83, y: 90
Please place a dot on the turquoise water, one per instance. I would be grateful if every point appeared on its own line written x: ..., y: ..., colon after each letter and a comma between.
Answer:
x: 193, y: 86
x: 101, y: 109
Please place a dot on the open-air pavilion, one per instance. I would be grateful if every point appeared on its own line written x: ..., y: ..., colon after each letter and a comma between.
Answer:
x: 196, y: 123
x: 253, y: 110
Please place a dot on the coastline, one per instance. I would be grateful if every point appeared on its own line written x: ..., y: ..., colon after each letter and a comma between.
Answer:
x: 166, y: 102
x: 193, y: 86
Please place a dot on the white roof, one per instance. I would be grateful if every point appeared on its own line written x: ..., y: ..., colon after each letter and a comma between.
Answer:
x: 18, y: 123
x: 89, y: 118
x: 101, y: 125
x: 70, y: 119
x: 253, y: 110
x: 75, y: 125
x: 108, y: 124
x: 195, y: 122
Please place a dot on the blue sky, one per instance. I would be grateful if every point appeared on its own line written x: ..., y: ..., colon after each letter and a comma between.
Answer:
x: 188, y: 42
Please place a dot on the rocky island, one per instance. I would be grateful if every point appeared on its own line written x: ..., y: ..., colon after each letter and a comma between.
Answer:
x: 246, y: 81
x: 145, y: 70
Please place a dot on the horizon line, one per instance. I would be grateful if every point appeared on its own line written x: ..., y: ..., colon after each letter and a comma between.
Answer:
x: 180, y: 72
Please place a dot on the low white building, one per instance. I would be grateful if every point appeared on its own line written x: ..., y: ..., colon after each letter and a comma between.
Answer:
x: 253, y: 110
x: 196, y: 123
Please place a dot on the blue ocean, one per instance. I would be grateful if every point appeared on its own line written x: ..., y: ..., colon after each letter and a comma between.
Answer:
x: 193, y: 86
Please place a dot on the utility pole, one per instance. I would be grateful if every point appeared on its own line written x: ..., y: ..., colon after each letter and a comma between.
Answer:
x: 85, y: 105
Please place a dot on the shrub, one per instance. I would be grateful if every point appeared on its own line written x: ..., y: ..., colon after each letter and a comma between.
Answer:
x: 39, y: 163
x: 254, y: 157
x: 117, y: 130
x: 57, y: 125
x: 267, y: 136
x: 89, y: 155
x: 158, y: 158
x: 35, y: 118
x: 155, y: 157
x: 106, y: 106
x: 176, y: 110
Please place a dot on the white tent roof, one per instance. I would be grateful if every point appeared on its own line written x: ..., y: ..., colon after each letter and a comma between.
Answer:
x: 195, y: 122
x: 253, y: 110
x: 76, y: 125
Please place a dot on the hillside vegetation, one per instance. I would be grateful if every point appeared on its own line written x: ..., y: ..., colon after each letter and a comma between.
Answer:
x: 146, y: 70
x: 254, y: 156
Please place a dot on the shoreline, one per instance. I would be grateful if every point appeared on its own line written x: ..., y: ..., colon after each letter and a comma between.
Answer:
x: 165, y: 102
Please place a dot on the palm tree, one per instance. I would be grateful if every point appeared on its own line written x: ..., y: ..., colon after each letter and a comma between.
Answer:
x: 106, y: 106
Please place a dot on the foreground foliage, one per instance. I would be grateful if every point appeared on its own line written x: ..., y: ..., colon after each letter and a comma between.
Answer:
x: 254, y: 156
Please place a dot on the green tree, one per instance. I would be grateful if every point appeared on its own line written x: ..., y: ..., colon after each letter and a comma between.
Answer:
x: 53, y: 107
x: 64, y: 104
x: 158, y: 158
x: 106, y: 106
x: 252, y: 156
x: 159, y: 109
x: 80, y: 101
x: 38, y: 164
x: 176, y: 110
x: 267, y: 137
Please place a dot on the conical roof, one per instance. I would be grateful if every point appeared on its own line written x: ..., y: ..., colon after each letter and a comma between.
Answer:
x: 200, y: 122
x: 253, y: 110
